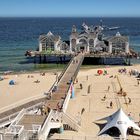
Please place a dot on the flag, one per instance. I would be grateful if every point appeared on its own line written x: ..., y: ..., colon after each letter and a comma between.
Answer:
x: 72, y: 90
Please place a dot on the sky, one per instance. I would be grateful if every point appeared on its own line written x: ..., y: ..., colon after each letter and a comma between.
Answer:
x: 69, y: 8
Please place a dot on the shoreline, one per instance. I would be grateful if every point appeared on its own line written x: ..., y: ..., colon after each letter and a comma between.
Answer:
x: 30, y: 71
x: 61, y: 69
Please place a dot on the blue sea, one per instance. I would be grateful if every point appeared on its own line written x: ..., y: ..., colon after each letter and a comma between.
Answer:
x: 20, y: 34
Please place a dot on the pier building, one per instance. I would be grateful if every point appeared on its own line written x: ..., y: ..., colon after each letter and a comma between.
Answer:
x: 52, y: 42
x: 89, y: 39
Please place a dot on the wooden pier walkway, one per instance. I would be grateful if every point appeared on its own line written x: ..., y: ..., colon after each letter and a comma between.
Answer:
x: 58, y: 97
x: 69, y: 73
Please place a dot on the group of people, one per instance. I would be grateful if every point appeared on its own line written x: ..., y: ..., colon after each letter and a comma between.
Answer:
x: 75, y: 61
x: 134, y: 72
x: 110, y: 104
x: 42, y: 74
x: 30, y: 76
x: 37, y: 81
x: 123, y: 70
x: 131, y: 72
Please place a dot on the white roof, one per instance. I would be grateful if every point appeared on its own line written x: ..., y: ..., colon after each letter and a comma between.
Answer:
x: 120, y: 120
x: 49, y: 33
x: 118, y: 34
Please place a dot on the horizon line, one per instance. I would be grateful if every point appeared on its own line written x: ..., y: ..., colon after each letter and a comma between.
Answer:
x: 69, y: 16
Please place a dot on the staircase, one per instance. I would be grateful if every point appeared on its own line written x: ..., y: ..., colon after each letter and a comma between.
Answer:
x: 67, y: 127
x: 70, y: 123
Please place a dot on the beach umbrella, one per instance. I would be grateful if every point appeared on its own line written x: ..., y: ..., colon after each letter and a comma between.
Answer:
x: 100, y: 72
x: 12, y: 82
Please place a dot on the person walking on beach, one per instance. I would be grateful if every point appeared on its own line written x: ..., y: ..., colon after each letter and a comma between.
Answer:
x: 104, y: 98
x: 129, y: 100
x: 138, y: 82
x: 87, y: 77
x: 108, y: 88
x: 81, y: 86
x: 73, y: 61
x: 76, y: 80
x: 82, y: 111
x: 111, y: 104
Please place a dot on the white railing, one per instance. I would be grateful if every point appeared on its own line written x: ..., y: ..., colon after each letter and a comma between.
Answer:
x: 34, y: 106
x: 46, y: 123
x: 7, y: 120
x: 65, y: 69
x: 18, y: 117
x: 21, y: 102
x: 57, y: 116
x: 53, y: 121
x: 82, y: 137
x: 71, y: 122
x: 86, y: 137
x: 65, y: 104
x: 46, y: 127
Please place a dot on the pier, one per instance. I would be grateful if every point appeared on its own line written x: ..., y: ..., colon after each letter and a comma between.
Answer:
x: 69, y: 73
x: 89, y: 59
x: 18, y: 119
x: 65, y: 82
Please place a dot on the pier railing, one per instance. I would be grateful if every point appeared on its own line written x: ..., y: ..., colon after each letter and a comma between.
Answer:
x: 49, y: 93
x: 54, y: 118
x: 77, y: 69
x: 88, y: 137
x: 7, y: 120
x: 65, y: 104
x: 64, y: 70
x: 18, y: 117
x: 68, y: 72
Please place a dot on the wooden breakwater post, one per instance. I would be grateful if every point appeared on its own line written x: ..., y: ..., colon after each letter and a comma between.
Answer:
x: 89, y: 89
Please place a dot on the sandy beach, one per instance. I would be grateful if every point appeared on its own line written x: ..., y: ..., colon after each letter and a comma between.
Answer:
x: 27, y: 87
x: 95, y: 108
x: 31, y: 86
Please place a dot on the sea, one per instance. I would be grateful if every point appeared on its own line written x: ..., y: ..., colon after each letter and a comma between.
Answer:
x: 20, y: 34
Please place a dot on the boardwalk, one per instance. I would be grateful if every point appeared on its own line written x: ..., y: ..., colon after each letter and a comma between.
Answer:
x: 15, y: 110
x: 28, y: 120
x: 69, y: 74
x: 58, y: 97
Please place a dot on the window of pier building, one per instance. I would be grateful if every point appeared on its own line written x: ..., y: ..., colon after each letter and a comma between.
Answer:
x: 118, y: 46
x: 64, y: 47
x: 82, y: 45
x: 50, y: 44
x: 73, y: 44
x: 83, y: 41
x: 43, y: 46
x: 91, y: 43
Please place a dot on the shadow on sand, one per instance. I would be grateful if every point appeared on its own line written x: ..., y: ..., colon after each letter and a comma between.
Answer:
x: 113, y: 132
